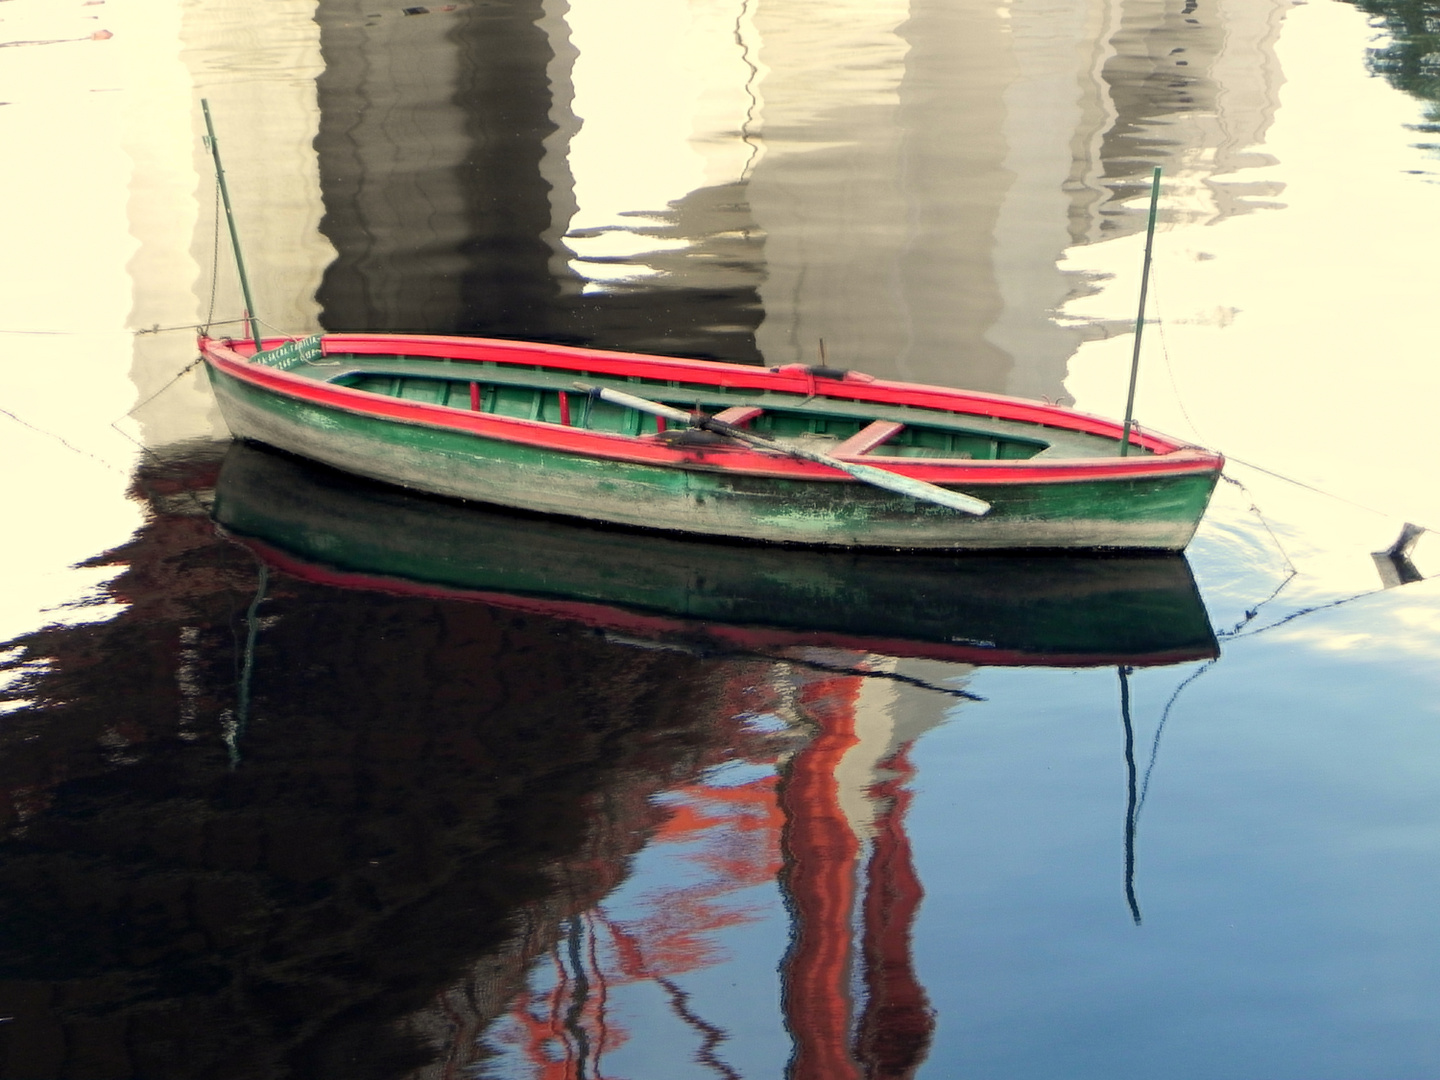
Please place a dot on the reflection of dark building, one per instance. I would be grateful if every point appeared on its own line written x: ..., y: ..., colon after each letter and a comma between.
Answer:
x: 1191, y: 86
x: 252, y: 837
x: 705, y: 301
x: 433, y: 135
x: 430, y: 141
x: 1157, y: 76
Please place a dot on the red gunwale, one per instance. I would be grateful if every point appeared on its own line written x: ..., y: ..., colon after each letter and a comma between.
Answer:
x: 758, y: 639
x: 1172, y: 457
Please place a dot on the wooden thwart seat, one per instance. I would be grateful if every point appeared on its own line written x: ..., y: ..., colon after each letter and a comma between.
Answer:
x: 867, y: 438
x: 738, y: 415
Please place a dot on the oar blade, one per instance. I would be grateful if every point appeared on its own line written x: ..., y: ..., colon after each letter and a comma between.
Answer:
x: 916, y: 489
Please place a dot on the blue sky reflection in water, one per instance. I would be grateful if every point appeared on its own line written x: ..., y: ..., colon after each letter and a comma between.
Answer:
x: 465, y: 835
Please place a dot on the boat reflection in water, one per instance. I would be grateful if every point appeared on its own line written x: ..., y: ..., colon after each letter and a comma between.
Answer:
x: 1066, y: 611
x: 831, y: 673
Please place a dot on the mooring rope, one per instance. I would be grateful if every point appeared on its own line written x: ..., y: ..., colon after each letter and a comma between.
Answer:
x: 1165, y: 352
x: 191, y: 327
x: 214, y: 259
x: 144, y: 331
x: 62, y: 441
x: 1159, y: 320
x: 176, y: 378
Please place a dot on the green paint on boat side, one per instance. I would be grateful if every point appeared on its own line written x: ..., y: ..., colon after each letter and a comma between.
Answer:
x: 1157, y: 513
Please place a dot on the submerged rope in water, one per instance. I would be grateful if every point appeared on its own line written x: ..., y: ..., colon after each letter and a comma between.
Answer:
x: 1318, y: 491
x: 1259, y: 514
x: 1160, y: 729
x: 61, y: 440
x: 707, y: 651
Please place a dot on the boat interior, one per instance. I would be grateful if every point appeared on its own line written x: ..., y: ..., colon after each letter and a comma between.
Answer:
x: 833, y: 426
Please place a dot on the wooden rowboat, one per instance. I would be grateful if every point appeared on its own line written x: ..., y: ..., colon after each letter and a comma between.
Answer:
x: 1053, y: 609
x: 805, y: 455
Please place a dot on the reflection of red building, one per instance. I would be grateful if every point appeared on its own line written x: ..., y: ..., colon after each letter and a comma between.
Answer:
x: 824, y: 851
x: 827, y: 820
x: 560, y: 1024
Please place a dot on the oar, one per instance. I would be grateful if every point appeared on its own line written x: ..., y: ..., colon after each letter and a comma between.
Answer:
x: 867, y: 474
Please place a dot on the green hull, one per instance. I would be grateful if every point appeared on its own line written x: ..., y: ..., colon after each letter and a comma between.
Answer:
x: 1157, y: 512
x: 985, y: 608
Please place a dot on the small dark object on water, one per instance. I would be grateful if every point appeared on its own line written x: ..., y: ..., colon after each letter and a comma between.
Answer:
x: 1394, y: 562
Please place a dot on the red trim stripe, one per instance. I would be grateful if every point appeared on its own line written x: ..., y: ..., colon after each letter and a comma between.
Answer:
x: 795, y: 378
x: 1172, y: 458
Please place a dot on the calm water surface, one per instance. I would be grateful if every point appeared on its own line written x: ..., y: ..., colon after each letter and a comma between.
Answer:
x: 306, y: 778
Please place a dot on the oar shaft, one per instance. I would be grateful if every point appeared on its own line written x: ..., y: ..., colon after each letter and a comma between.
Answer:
x: 619, y: 397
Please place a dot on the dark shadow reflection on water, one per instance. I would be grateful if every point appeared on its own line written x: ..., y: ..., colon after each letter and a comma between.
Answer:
x: 270, y: 820
x: 414, y: 778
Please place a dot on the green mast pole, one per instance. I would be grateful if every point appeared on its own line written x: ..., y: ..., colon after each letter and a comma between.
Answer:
x: 1139, y: 319
x: 230, y: 220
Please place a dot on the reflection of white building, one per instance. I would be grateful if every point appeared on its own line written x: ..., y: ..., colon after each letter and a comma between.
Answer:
x: 660, y: 104
x: 829, y: 194
x: 1192, y: 89
x: 258, y: 75
x: 828, y: 131
x: 914, y: 169
x: 927, y: 164
x: 898, y: 178
x: 890, y: 715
